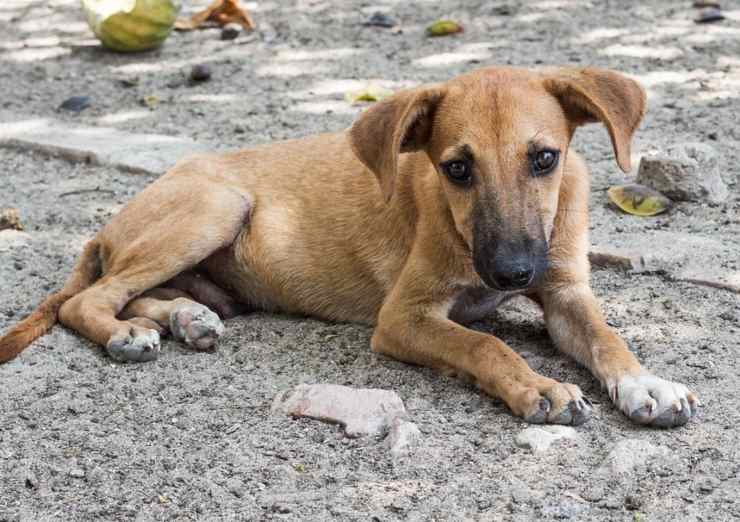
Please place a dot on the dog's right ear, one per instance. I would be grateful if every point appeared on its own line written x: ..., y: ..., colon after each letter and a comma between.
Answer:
x: 400, y: 123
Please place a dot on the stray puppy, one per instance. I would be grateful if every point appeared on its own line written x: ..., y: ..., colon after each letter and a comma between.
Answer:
x: 478, y: 197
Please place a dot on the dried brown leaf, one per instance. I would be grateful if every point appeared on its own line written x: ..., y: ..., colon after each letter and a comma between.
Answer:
x: 10, y: 219
x: 221, y: 12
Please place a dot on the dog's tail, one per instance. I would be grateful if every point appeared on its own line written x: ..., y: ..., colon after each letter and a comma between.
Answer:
x: 43, y: 318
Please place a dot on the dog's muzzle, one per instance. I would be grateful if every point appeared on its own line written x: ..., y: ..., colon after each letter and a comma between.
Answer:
x: 511, y: 266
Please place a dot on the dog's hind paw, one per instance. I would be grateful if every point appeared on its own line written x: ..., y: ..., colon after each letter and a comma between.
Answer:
x: 650, y: 400
x: 196, y: 325
x: 137, y: 345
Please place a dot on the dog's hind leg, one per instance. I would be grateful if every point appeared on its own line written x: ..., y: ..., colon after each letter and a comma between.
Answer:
x: 201, y: 289
x: 169, y: 228
x: 188, y: 321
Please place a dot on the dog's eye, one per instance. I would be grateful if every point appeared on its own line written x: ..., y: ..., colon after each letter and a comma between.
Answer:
x: 544, y: 161
x: 457, y: 171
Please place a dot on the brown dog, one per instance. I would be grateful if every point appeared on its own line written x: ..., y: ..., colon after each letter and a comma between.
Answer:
x: 478, y: 197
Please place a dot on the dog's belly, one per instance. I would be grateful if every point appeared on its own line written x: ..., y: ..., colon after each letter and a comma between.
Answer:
x: 256, y: 271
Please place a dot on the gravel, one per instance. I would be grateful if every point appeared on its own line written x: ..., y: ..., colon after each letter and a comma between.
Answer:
x: 191, y: 436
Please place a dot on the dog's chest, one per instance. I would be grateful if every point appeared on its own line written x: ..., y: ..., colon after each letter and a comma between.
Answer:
x: 476, y: 303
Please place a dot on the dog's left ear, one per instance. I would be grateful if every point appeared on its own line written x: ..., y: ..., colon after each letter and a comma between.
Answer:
x: 589, y: 95
x: 400, y: 123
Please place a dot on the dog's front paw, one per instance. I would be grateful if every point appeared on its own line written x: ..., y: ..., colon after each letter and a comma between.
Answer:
x: 647, y: 399
x: 558, y: 404
x: 196, y: 325
x: 136, y: 345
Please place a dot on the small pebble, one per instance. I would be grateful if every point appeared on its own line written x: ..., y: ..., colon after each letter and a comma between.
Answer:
x: 77, y: 473
x: 129, y: 81
x: 504, y: 9
x: 708, y: 15
x: 281, y: 508
x: 75, y: 103
x: 31, y: 481
x: 540, y: 438
x: 379, y: 19
x: 231, y: 31
x: 200, y: 73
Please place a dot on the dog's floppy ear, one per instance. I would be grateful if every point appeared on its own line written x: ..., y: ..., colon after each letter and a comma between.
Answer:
x: 400, y: 123
x: 589, y: 95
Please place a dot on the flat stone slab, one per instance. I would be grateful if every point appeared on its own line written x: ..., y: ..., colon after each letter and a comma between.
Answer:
x: 679, y: 255
x: 361, y: 411
x: 138, y: 153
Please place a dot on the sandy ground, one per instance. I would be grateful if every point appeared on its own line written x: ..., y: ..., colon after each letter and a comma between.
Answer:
x: 190, y: 437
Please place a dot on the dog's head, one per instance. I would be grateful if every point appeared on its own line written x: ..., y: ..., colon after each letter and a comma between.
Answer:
x: 498, y: 139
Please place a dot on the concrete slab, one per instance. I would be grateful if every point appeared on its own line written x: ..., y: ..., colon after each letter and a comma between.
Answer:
x: 137, y: 153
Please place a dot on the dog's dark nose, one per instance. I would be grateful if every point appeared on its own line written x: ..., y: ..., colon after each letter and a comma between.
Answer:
x: 507, y: 265
x: 514, y: 274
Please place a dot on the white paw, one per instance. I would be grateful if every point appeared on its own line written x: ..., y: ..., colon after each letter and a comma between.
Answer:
x: 137, y: 345
x: 196, y: 326
x: 647, y: 399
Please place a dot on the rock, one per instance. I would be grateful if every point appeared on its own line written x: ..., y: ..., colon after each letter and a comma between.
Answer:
x: 200, y: 72
x: 75, y: 104
x: 708, y: 15
x: 633, y: 502
x: 403, y: 437
x: 128, y: 81
x: 361, y: 412
x: 31, y: 481
x: 706, y: 3
x: 379, y: 19
x: 231, y: 31
x: 677, y: 254
x: 540, y: 438
x: 235, y: 487
x: 140, y: 153
x: 684, y: 172
x: 628, y: 454
x: 282, y: 508
x: 10, y: 219
x: 77, y: 473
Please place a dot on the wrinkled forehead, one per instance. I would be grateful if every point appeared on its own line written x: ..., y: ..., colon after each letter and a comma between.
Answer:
x: 500, y: 111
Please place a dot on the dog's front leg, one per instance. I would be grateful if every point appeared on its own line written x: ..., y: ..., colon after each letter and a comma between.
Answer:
x: 578, y: 328
x: 422, y: 334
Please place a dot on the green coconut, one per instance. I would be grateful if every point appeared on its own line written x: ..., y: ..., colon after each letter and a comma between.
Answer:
x: 131, y: 25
